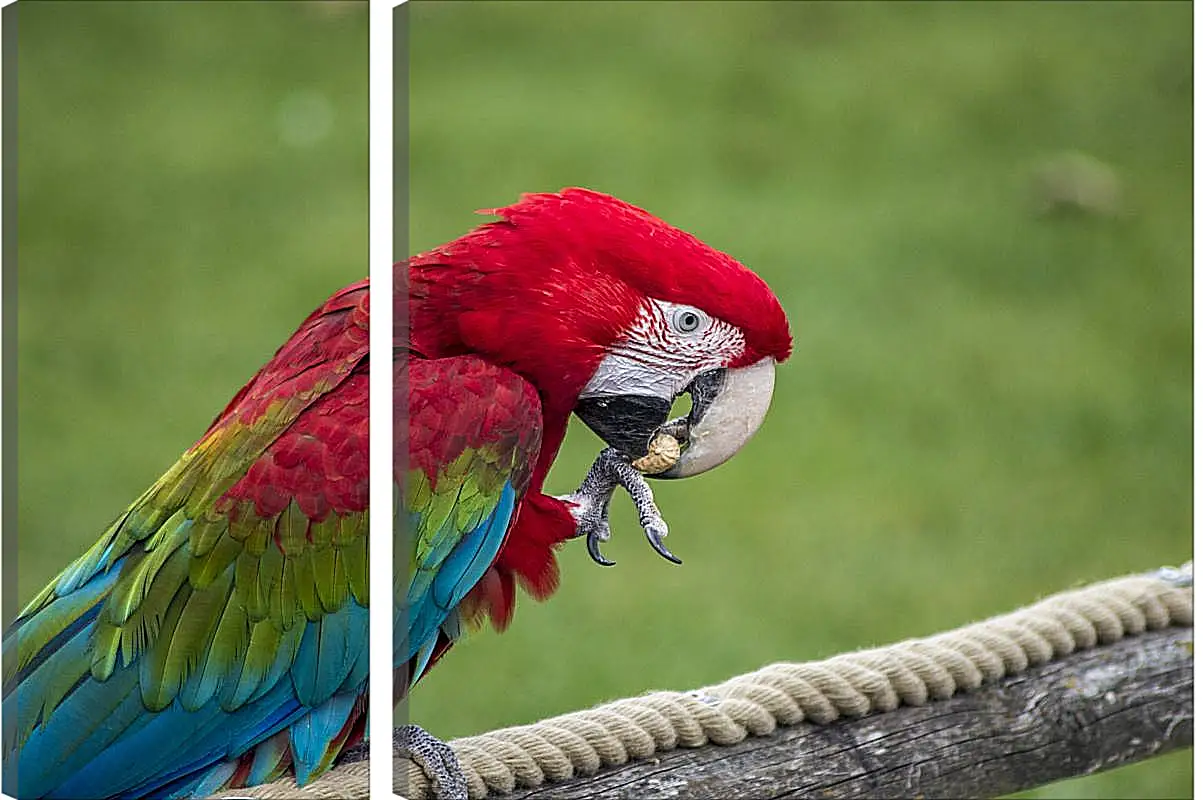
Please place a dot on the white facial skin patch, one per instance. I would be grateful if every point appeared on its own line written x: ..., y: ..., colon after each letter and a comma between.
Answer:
x: 663, y: 350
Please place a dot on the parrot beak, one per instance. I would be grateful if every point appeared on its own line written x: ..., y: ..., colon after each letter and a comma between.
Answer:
x: 728, y: 407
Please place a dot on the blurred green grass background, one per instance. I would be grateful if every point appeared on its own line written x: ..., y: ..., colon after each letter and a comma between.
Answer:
x: 986, y: 404
x: 192, y: 183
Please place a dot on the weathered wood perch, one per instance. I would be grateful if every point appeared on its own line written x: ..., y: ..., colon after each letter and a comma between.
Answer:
x: 1091, y: 711
x: 1081, y: 681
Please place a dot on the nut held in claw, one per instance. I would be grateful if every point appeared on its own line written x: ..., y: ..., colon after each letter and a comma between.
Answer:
x: 662, y: 454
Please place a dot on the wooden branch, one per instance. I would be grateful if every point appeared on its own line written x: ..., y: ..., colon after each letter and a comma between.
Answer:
x: 1092, y: 711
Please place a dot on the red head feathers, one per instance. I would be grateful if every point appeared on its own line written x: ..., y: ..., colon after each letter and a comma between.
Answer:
x: 549, y: 287
x: 607, y: 311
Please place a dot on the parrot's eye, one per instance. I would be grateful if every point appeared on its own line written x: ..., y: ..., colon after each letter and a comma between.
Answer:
x: 688, y: 320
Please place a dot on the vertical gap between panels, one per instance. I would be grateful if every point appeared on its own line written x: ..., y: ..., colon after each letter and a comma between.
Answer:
x: 380, y: 250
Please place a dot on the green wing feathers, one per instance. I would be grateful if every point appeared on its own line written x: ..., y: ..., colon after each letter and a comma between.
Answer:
x: 242, y: 566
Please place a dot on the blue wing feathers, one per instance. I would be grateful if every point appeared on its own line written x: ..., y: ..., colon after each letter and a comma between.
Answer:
x: 328, y: 653
x: 77, y: 610
x: 268, y: 759
x: 100, y: 741
x: 68, y: 741
x: 311, y: 736
x: 357, y: 675
x: 467, y: 563
x: 193, y: 785
x: 138, y: 765
x: 432, y: 601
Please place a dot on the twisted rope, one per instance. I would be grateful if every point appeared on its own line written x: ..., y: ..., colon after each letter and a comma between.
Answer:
x: 911, y: 672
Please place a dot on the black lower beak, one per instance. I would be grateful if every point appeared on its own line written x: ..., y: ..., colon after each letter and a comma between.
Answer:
x: 702, y: 392
x: 627, y: 422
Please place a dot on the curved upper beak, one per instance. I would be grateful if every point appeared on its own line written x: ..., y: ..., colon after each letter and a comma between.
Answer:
x: 728, y: 407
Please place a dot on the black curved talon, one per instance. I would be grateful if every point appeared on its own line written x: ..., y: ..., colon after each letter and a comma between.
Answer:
x: 657, y: 543
x: 591, y: 505
x: 593, y: 545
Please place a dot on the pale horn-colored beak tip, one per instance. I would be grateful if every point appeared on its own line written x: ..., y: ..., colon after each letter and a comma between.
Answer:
x: 729, y: 421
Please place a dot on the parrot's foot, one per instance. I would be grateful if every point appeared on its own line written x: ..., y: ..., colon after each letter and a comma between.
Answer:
x: 591, y: 505
x: 437, y: 760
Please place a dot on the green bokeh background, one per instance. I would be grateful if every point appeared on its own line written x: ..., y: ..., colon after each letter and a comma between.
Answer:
x: 986, y: 404
x: 193, y: 181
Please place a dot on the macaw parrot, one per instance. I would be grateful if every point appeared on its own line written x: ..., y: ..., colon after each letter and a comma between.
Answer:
x: 217, y: 633
x: 571, y: 302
